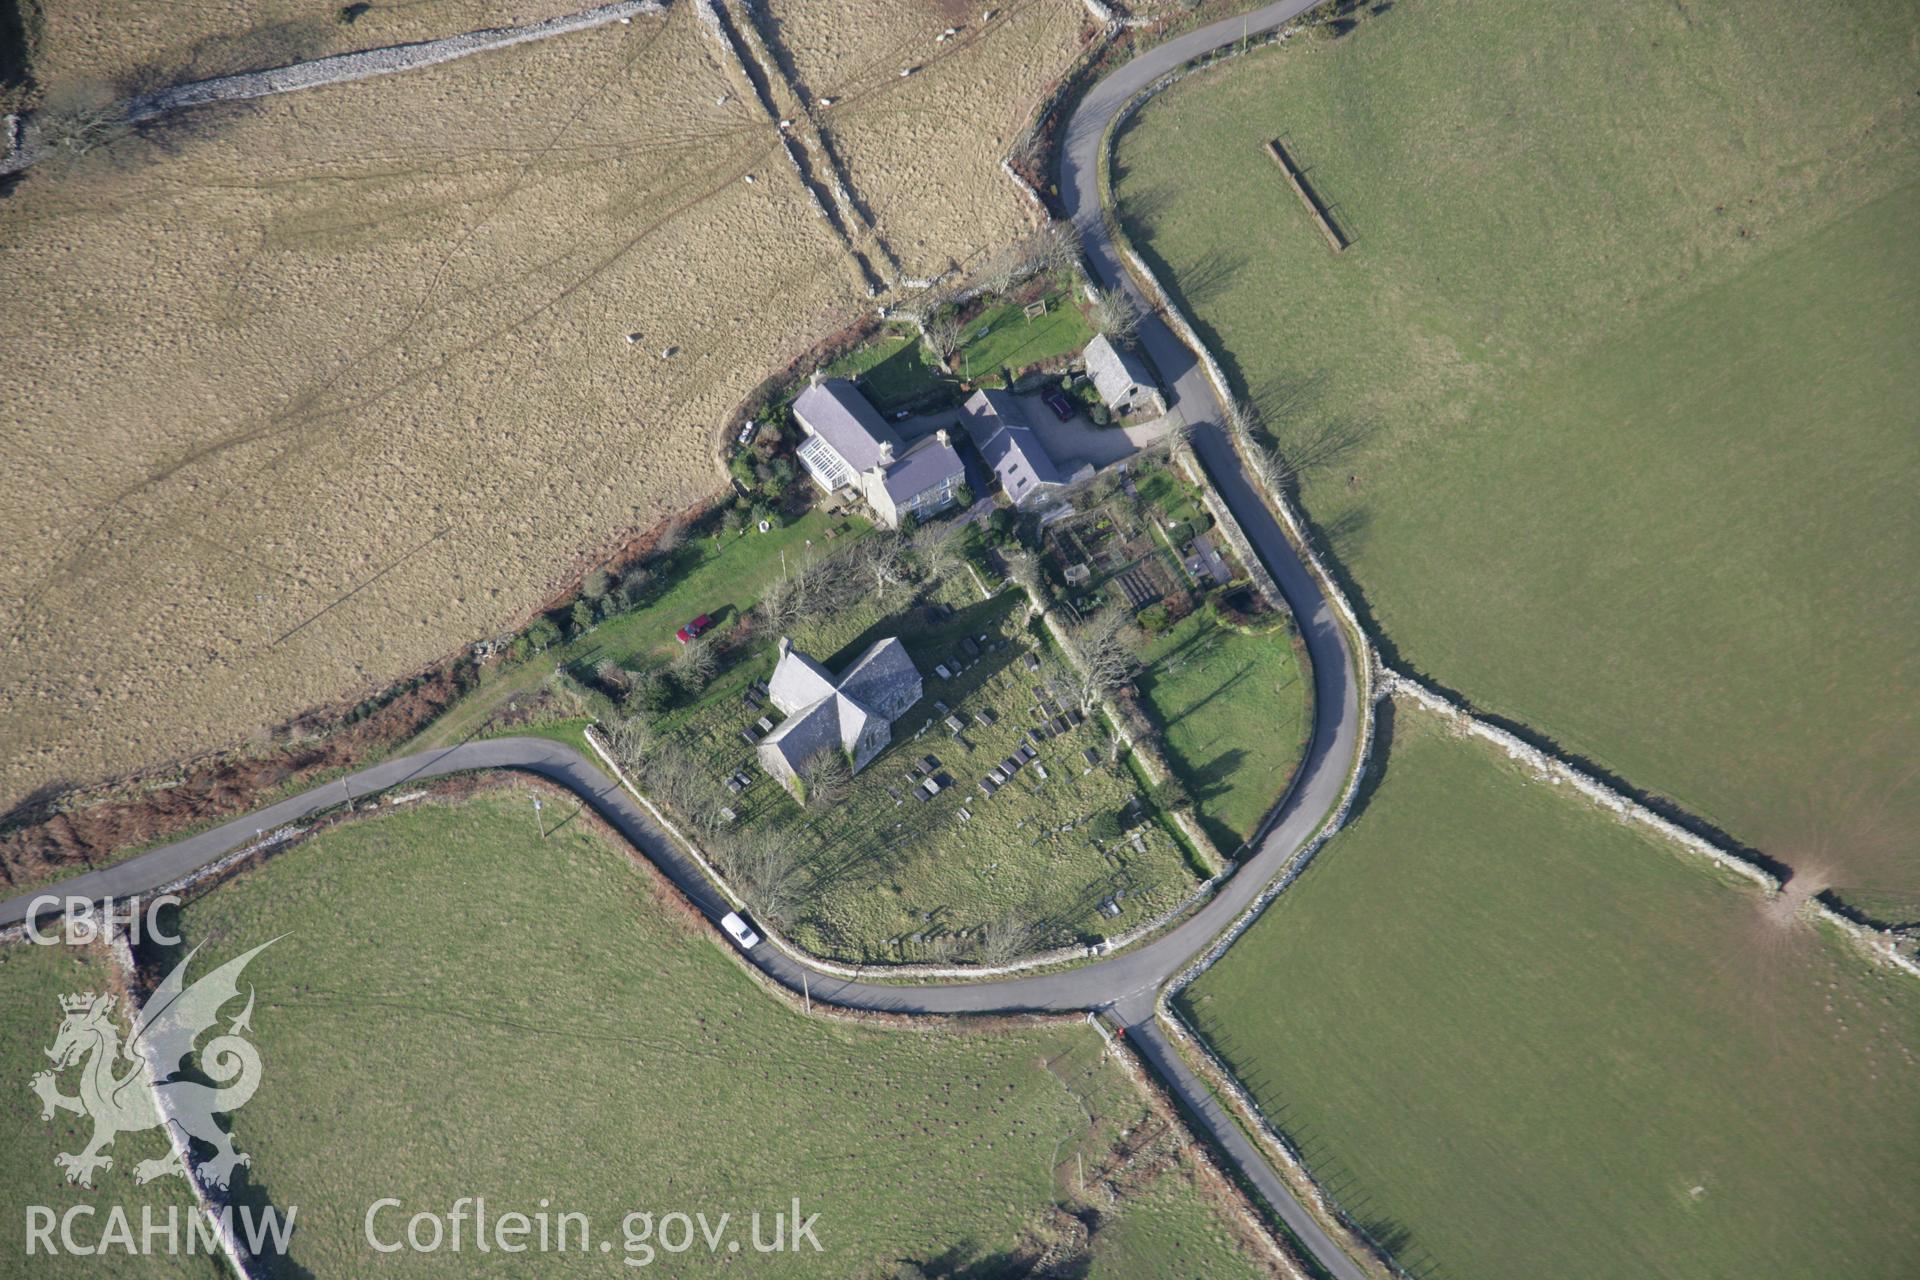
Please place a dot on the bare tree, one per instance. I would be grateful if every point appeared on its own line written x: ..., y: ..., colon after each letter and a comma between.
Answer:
x: 672, y: 537
x: 826, y: 777
x: 1072, y: 686
x: 1024, y: 568
x: 1108, y: 650
x: 1116, y: 314
x: 1006, y: 268
x: 943, y: 330
x: 883, y: 560
x: 695, y: 664
x: 1179, y: 434
x: 78, y: 120
x: 673, y: 777
x: 631, y: 739
x: 936, y: 551
x: 1056, y: 246
x: 780, y: 602
x: 1005, y: 939
x: 769, y: 863
x: 612, y: 677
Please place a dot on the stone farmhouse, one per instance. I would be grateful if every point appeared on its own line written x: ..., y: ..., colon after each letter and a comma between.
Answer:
x: 997, y: 424
x: 1122, y: 378
x: 852, y: 713
x: 849, y: 446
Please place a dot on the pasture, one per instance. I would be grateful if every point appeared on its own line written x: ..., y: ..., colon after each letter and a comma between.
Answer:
x: 378, y: 393
x: 1521, y: 1039
x: 923, y: 150
x: 1607, y: 413
x: 81, y: 45
x: 1234, y: 710
x: 486, y: 1012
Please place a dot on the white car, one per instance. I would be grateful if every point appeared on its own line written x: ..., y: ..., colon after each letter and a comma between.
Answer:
x: 739, y: 931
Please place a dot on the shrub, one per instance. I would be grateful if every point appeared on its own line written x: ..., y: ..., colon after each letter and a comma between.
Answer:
x: 596, y: 584
x: 1106, y: 826
x: 580, y: 616
x: 1169, y: 794
x: 1099, y: 415
x: 543, y: 633
x: 964, y: 495
x: 1154, y: 618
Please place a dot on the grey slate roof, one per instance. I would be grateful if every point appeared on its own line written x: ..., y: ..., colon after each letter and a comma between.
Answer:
x: 930, y: 462
x: 880, y: 685
x: 998, y: 427
x: 884, y: 678
x: 835, y: 411
x: 798, y: 681
x: 1115, y: 370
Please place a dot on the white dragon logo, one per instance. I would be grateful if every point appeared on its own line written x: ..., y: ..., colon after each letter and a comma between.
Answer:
x: 163, y: 1035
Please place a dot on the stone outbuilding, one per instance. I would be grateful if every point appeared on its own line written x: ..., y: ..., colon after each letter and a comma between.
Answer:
x: 1122, y: 378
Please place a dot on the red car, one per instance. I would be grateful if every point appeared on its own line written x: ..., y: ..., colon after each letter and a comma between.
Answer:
x: 691, y: 632
x: 1061, y: 406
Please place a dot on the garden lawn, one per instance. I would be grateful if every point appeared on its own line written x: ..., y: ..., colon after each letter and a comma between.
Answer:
x: 1525, y: 1040
x: 459, y: 1007
x: 719, y: 576
x: 32, y: 980
x: 1626, y: 342
x: 1234, y: 714
x: 1002, y: 337
x: 893, y: 371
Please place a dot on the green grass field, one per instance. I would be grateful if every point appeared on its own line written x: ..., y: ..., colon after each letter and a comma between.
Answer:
x: 461, y: 1008
x: 1529, y: 1041
x: 1614, y: 392
x: 1235, y: 715
x: 893, y: 371
x: 32, y: 980
x: 1003, y: 337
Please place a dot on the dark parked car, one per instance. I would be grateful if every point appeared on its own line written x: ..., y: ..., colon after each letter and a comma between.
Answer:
x: 691, y: 632
x: 1061, y: 406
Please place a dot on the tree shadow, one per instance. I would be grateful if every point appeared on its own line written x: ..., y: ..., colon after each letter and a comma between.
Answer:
x: 16, y: 57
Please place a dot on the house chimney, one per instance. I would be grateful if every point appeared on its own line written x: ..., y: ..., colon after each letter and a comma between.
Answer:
x: 785, y: 646
x: 886, y: 452
x: 942, y: 436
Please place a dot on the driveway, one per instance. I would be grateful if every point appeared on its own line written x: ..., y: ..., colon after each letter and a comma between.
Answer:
x: 1068, y: 443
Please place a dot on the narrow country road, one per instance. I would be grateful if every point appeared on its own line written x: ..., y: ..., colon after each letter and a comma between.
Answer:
x: 1125, y: 985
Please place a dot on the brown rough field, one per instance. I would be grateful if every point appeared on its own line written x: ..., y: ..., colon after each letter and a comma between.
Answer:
x: 344, y: 383
x: 78, y: 42
x: 320, y: 389
x: 924, y: 151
